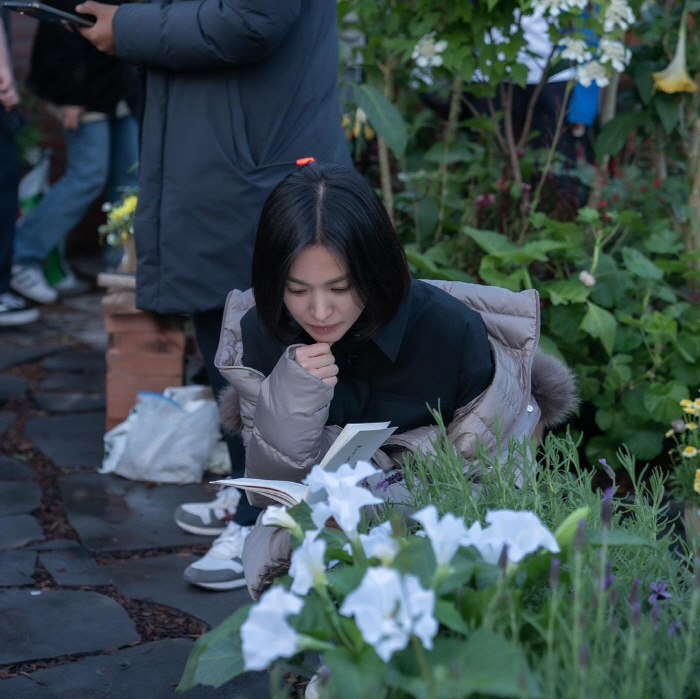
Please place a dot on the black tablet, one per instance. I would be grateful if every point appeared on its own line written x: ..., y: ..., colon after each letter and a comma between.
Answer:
x: 37, y: 9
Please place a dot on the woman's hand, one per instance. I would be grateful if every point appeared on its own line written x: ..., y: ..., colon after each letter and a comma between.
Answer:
x: 318, y: 361
x: 70, y: 117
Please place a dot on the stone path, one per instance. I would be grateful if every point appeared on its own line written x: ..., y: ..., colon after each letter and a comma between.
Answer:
x: 92, y: 601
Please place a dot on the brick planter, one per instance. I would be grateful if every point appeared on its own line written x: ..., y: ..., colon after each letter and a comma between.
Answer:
x: 145, y: 353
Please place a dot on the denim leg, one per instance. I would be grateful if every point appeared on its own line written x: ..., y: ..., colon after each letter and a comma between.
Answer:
x: 9, y: 173
x: 65, y: 204
x: 124, y: 156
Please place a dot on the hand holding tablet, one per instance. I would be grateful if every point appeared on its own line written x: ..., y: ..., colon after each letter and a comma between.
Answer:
x: 41, y: 11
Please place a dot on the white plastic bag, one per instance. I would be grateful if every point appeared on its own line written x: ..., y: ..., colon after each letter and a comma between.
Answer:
x: 163, y: 439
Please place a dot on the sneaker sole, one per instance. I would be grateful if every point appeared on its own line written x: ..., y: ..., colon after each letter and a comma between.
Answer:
x: 219, y: 586
x: 203, y: 531
x: 11, y: 318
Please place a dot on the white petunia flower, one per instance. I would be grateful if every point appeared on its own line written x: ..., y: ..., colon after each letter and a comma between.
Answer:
x: 615, y: 53
x: 344, y: 499
x: 307, y: 568
x: 445, y: 534
x: 586, y: 278
x: 379, y: 543
x: 388, y: 608
x: 521, y: 532
x: 617, y: 14
x: 592, y: 72
x: 265, y: 634
x: 426, y: 53
x: 575, y: 50
x: 275, y: 516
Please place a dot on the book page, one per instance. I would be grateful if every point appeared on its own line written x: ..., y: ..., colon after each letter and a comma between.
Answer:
x: 285, y: 492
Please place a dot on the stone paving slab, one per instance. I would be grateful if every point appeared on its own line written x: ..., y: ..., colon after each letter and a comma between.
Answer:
x: 160, y: 580
x: 73, y: 567
x: 11, y: 356
x: 55, y: 545
x: 18, y: 530
x: 69, y: 402
x: 151, y: 670
x: 6, y: 419
x: 74, y: 383
x: 80, y: 360
x: 12, y: 468
x: 12, y: 387
x: 113, y: 514
x: 19, y: 498
x: 17, y: 568
x: 60, y: 622
x: 69, y: 441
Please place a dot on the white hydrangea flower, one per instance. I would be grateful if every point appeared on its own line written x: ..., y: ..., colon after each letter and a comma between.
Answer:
x: 586, y: 278
x: 426, y: 53
x: 616, y: 53
x: 345, y: 499
x: 445, y: 534
x: 307, y: 568
x: 617, y: 14
x: 265, y: 634
x: 592, y: 72
x: 555, y: 7
x: 575, y: 50
x: 388, y: 608
x: 379, y: 543
x: 521, y: 532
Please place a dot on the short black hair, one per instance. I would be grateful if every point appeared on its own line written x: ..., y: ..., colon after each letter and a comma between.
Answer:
x: 333, y: 206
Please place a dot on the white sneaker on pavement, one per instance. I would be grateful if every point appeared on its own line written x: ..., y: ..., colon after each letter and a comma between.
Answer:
x: 221, y: 568
x: 70, y: 285
x: 14, y: 311
x: 208, y: 518
x: 31, y: 283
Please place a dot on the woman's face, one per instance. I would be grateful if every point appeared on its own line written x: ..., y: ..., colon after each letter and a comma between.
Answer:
x: 318, y: 295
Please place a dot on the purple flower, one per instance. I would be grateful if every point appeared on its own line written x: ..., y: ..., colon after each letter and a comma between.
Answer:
x: 609, y: 579
x: 672, y: 628
x: 635, y: 604
x: 554, y: 567
x: 658, y: 591
x: 608, y: 469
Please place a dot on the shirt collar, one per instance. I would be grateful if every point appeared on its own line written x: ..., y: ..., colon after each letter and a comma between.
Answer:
x: 390, y: 337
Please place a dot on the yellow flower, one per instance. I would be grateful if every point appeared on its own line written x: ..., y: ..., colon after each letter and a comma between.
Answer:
x: 689, y: 452
x: 691, y: 425
x: 129, y: 205
x: 696, y: 485
x: 675, y: 77
x: 686, y: 403
x: 670, y: 433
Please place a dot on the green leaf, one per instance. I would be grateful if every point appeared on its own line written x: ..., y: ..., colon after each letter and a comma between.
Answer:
x: 566, y: 291
x: 615, y: 537
x: 613, y: 135
x: 600, y: 324
x: 689, y: 346
x: 217, y: 656
x: 352, y: 677
x: 446, y: 613
x: 644, y: 444
x: 384, y: 118
x: 427, y: 216
x: 662, y: 399
x: 668, y: 109
x: 639, y: 264
x: 566, y: 531
x: 643, y: 80
x: 490, y: 242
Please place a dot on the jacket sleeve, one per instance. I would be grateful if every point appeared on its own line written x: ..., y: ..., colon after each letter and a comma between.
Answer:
x: 289, y: 433
x: 202, y: 34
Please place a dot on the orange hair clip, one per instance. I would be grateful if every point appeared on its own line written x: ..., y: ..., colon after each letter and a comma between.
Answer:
x: 305, y: 161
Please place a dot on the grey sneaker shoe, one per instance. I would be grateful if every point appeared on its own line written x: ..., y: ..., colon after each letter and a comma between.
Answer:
x: 221, y: 568
x: 31, y: 283
x: 209, y: 518
x: 14, y: 311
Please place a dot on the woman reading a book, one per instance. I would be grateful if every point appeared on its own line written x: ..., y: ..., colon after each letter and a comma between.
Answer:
x: 340, y: 333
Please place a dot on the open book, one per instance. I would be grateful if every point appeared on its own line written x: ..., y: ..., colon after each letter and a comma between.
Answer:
x: 357, y: 442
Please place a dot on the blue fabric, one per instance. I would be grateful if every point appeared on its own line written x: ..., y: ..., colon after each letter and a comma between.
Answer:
x: 99, y: 153
x: 583, y: 104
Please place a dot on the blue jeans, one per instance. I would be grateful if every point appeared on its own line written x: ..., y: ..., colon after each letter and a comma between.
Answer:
x: 9, y: 174
x: 100, y: 153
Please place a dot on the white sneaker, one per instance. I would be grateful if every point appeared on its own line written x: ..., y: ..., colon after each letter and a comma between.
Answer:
x: 70, y: 285
x: 14, y: 311
x: 31, y: 283
x: 221, y: 568
x: 209, y: 518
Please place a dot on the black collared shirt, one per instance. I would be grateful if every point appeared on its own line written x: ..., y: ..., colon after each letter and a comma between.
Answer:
x: 434, y: 352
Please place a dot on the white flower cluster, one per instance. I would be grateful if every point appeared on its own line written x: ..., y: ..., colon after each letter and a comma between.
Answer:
x: 618, y: 14
x: 575, y: 50
x: 555, y: 7
x: 592, y: 72
x: 388, y: 607
x: 427, y: 54
x: 615, y: 53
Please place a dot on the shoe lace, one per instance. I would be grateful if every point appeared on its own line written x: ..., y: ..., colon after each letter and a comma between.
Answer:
x: 12, y: 303
x: 226, y: 499
x: 229, y: 544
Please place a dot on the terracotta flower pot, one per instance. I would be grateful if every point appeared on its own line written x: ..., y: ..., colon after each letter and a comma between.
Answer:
x: 692, y: 524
